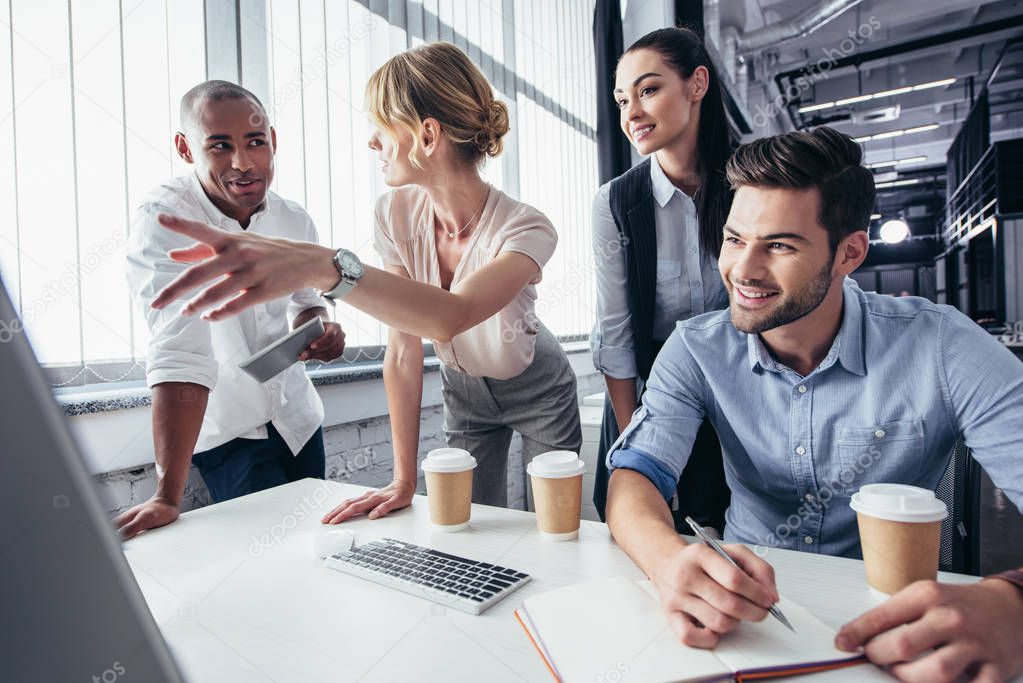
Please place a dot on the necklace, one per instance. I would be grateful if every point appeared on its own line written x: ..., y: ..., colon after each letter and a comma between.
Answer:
x: 462, y: 229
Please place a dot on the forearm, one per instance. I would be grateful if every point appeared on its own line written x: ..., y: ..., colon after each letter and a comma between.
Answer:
x: 640, y: 521
x: 178, y: 410
x: 396, y: 301
x: 622, y: 393
x: 403, y: 381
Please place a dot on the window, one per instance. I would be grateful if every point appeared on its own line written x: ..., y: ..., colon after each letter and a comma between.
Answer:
x: 88, y: 102
x: 539, y: 57
x: 89, y: 110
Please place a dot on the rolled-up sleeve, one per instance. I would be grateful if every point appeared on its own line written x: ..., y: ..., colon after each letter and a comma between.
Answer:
x: 611, y: 340
x: 984, y: 394
x: 304, y: 299
x: 660, y: 436
x: 180, y: 349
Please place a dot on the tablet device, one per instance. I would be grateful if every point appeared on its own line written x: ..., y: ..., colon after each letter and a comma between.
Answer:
x: 280, y: 355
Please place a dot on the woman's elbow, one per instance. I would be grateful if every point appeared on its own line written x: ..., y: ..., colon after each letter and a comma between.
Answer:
x: 447, y: 327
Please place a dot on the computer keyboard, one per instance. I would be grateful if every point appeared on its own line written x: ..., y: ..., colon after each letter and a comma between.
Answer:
x: 449, y: 580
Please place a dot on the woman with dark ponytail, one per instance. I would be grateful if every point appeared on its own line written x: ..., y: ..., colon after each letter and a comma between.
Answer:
x: 656, y: 235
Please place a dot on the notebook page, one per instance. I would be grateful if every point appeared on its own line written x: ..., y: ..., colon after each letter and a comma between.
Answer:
x: 754, y: 645
x: 615, y: 625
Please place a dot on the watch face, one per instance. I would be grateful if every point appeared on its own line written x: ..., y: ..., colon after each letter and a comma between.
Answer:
x: 351, y: 264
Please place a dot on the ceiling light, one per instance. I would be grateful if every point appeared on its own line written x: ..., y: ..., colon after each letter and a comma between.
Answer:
x: 894, y: 92
x: 897, y: 183
x: 853, y: 100
x: 897, y: 162
x: 874, y: 216
x: 921, y: 129
x: 897, y: 133
x: 877, y: 95
x: 934, y: 84
x: 894, y: 231
x: 816, y: 107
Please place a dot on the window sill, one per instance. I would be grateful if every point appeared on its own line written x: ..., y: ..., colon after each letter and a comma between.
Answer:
x: 129, y: 395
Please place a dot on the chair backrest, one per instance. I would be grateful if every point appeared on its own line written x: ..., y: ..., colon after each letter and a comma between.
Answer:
x: 959, y: 488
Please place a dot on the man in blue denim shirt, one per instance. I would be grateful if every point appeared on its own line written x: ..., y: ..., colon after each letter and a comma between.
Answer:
x: 816, y: 388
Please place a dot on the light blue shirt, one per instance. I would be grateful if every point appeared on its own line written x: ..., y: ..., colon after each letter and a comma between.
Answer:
x: 688, y: 281
x: 902, y: 381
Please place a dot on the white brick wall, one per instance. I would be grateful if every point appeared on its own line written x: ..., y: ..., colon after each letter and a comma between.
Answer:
x: 358, y: 452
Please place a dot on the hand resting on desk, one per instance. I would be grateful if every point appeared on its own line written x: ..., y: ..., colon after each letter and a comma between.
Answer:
x: 975, y: 629
x: 395, y: 496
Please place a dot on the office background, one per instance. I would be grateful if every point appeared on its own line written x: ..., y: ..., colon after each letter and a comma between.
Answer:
x: 933, y: 91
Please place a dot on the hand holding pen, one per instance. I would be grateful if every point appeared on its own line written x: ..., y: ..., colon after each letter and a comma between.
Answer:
x: 705, y: 595
x: 702, y: 534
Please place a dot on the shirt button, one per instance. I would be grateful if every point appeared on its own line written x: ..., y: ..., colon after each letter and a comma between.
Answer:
x: 802, y: 389
x: 879, y: 433
x: 800, y: 450
x: 808, y: 540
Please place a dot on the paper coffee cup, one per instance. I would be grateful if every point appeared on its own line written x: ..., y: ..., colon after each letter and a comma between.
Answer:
x: 449, y: 487
x: 900, y: 533
x: 557, y: 479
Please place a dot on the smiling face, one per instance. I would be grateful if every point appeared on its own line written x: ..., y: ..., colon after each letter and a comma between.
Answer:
x: 657, y: 106
x: 232, y: 151
x: 776, y: 260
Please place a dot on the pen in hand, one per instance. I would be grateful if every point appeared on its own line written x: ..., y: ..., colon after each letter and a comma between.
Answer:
x: 709, y: 540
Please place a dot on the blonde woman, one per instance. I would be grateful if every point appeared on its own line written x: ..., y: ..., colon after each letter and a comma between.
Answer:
x: 461, y: 260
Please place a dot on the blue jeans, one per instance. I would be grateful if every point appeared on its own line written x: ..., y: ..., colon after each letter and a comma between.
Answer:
x: 243, y: 466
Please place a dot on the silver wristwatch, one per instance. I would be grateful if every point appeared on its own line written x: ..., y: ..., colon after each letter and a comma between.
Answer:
x: 349, y: 267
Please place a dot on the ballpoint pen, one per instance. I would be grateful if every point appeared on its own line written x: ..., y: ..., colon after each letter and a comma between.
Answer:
x: 709, y: 540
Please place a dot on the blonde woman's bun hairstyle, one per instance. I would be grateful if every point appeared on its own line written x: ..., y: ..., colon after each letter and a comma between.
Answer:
x: 439, y: 81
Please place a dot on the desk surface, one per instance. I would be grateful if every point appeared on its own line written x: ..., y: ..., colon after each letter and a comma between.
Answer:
x: 240, y: 596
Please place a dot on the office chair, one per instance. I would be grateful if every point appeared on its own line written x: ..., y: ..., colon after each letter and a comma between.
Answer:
x: 959, y: 488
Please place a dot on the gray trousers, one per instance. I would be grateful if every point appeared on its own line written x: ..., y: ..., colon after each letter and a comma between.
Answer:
x: 541, y: 404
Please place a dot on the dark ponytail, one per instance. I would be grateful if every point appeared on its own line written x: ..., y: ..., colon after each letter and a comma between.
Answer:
x: 683, y: 50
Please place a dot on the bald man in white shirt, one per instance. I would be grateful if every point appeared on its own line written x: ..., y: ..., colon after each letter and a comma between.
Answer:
x: 242, y: 436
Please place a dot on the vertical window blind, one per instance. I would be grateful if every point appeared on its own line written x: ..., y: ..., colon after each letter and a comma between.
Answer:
x: 88, y: 107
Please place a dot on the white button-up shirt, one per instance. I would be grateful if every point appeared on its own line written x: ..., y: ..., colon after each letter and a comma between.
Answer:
x: 189, y: 349
x: 688, y: 281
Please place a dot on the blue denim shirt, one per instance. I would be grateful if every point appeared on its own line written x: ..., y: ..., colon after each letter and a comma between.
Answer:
x: 902, y: 381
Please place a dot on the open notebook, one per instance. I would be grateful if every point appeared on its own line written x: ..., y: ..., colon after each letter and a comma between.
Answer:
x: 613, y: 629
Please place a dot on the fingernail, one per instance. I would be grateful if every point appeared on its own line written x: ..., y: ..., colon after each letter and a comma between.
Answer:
x: 842, y: 642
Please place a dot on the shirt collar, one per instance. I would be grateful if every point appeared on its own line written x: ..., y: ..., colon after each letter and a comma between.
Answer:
x: 662, y: 187
x: 847, y: 346
x: 215, y: 215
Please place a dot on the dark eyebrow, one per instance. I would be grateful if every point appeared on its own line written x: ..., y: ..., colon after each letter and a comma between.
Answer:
x: 636, y: 82
x: 253, y: 134
x: 773, y: 236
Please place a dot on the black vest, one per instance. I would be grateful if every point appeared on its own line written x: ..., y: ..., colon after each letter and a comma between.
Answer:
x: 632, y: 207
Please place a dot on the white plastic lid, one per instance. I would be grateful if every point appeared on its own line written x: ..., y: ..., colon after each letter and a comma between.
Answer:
x: 898, y: 503
x: 448, y: 460
x: 556, y: 465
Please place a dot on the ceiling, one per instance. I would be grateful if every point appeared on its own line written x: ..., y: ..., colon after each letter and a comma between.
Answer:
x: 884, y: 45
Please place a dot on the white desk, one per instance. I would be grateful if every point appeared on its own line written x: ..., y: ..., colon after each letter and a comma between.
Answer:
x: 234, y: 610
